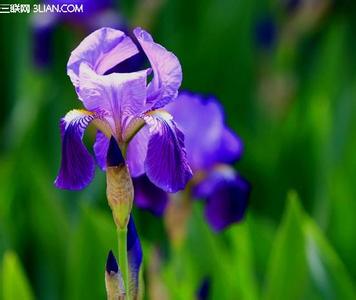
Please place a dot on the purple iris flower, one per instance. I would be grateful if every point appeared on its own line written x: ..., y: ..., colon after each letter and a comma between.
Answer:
x: 124, y: 106
x: 211, y: 150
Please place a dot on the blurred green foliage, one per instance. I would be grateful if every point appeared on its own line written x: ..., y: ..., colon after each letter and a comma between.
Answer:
x: 14, y: 283
x: 293, y: 103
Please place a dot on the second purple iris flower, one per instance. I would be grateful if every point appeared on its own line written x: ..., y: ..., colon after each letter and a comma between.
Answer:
x: 212, y: 148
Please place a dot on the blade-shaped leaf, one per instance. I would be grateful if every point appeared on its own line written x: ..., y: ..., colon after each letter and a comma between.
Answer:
x: 14, y: 282
x: 303, y: 265
x: 286, y: 274
x: 326, y: 269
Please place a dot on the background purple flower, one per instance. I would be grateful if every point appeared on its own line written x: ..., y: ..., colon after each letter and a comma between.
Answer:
x: 226, y: 194
x: 211, y: 149
x: 208, y: 140
x: 149, y: 196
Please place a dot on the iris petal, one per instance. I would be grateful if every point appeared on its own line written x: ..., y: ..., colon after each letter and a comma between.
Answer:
x: 136, y: 152
x: 122, y: 95
x: 77, y: 166
x: 208, y: 141
x: 166, y: 162
x: 167, y: 71
x: 101, y: 146
x: 226, y: 194
x: 101, y: 50
x: 149, y: 197
x: 230, y: 149
x: 203, y: 136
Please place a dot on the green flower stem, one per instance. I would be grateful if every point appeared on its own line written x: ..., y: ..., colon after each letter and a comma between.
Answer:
x: 123, y: 260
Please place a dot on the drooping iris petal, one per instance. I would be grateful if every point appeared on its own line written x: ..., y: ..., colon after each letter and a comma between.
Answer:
x: 101, y: 50
x: 121, y: 94
x: 136, y: 152
x: 148, y: 196
x: 167, y: 71
x: 166, y: 162
x: 226, y: 194
x: 134, y: 252
x: 77, y: 166
x: 101, y: 146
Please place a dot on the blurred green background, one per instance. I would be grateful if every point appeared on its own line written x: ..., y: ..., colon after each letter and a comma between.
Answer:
x: 285, y: 73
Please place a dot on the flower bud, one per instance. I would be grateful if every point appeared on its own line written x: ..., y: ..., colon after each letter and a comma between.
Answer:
x: 119, y: 187
x: 113, y: 279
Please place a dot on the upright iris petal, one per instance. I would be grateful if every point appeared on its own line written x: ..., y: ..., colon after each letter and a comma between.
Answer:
x: 208, y: 140
x: 101, y: 50
x: 121, y: 94
x: 230, y: 148
x: 167, y: 71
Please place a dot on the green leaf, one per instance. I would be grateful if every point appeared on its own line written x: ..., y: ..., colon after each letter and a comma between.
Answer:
x: 286, y: 274
x: 242, y: 260
x: 326, y: 269
x: 14, y: 281
x: 303, y: 265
